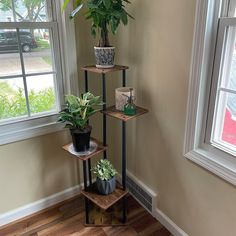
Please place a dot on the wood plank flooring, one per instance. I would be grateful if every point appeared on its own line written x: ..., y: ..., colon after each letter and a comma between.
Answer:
x: 67, y: 218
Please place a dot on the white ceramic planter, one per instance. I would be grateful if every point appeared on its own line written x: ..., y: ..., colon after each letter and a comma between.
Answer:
x: 121, y: 100
x: 104, y: 57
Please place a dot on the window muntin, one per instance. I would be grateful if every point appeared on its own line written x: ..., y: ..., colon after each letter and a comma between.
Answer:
x: 31, y: 55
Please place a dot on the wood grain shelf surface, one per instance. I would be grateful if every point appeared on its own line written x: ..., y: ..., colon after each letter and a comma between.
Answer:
x: 100, y: 148
x: 111, y: 111
x: 94, y: 69
x: 104, y: 201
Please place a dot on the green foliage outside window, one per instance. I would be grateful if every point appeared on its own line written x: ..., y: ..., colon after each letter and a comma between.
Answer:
x: 13, y: 103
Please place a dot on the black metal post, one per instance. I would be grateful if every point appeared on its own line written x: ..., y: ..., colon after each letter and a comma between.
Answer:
x: 124, y: 78
x: 124, y: 200
x: 85, y: 175
x: 124, y: 155
x: 86, y: 189
x: 104, y: 116
x: 89, y: 171
x: 86, y: 81
x: 89, y: 161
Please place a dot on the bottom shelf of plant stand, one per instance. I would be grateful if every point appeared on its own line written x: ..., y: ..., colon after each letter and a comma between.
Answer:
x: 104, y: 201
x: 113, y: 216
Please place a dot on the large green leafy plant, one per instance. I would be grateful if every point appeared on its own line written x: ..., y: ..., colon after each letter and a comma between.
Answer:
x: 78, y: 110
x: 105, y: 15
x: 104, y: 170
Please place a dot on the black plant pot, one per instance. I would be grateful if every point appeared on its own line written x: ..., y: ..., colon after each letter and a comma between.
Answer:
x: 81, y: 138
x: 106, y: 187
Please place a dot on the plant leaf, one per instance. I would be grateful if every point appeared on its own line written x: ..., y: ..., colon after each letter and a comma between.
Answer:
x: 77, y: 9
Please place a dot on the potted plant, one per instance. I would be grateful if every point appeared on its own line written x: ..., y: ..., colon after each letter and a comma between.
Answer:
x: 105, y: 15
x: 76, y: 114
x: 106, y: 176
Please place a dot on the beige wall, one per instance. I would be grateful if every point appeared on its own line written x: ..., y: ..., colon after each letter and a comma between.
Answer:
x: 157, y: 47
x: 34, y: 169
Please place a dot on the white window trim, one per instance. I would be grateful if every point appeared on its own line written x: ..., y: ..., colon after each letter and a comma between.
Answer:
x: 203, y: 49
x: 45, y: 125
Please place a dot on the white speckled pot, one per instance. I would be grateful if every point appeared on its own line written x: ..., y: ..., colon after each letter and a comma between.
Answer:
x: 104, y: 57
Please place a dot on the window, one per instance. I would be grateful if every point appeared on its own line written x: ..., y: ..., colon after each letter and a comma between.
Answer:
x: 210, y: 138
x: 222, y: 121
x: 31, y: 68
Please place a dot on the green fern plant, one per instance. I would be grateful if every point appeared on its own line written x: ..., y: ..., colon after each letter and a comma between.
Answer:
x: 78, y: 110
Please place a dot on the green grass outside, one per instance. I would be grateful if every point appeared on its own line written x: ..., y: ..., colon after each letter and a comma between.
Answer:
x: 42, y: 44
x: 13, y: 103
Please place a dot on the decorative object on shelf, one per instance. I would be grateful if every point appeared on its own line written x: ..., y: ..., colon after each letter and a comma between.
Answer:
x: 76, y: 114
x: 122, y: 95
x: 130, y: 108
x: 106, y: 176
x: 92, y: 148
x: 103, y: 14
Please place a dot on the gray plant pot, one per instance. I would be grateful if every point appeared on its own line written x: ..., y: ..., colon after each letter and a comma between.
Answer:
x: 104, y: 57
x: 106, y: 187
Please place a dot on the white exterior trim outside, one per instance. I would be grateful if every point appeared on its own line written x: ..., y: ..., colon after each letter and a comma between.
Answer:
x: 194, y: 147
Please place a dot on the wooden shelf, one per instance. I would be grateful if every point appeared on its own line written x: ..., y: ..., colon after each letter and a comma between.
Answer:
x: 94, y: 69
x: 99, y: 149
x: 104, y: 201
x: 111, y: 111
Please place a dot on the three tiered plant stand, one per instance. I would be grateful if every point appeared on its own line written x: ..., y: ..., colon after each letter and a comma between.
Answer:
x: 91, y: 196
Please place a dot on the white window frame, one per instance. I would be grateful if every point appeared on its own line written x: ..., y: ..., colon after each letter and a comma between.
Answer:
x: 195, y: 147
x: 35, y: 126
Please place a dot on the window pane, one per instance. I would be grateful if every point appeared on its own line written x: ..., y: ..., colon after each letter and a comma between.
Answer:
x: 225, y: 126
x: 9, y: 53
x: 228, y: 75
x: 12, y: 98
x: 34, y: 11
x: 41, y: 93
x: 6, y: 13
x: 37, y: 50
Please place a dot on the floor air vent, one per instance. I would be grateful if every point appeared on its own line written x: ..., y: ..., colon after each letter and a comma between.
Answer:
x: 142, y: 193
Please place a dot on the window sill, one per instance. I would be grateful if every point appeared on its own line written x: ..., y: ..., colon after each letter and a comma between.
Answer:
x: 28, y: 129
x: 223, y: 167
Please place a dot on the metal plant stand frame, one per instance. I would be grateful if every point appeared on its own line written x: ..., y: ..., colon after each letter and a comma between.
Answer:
x: 105, y: 202
x: 86, y: 163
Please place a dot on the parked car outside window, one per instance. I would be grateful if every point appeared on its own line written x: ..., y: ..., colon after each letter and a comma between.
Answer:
x: 9, y: 41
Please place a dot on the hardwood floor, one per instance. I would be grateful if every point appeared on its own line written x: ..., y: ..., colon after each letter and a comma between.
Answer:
x: 67, y: 218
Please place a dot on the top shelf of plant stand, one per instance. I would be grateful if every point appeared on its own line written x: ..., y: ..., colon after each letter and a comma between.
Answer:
x: 94, y: 69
